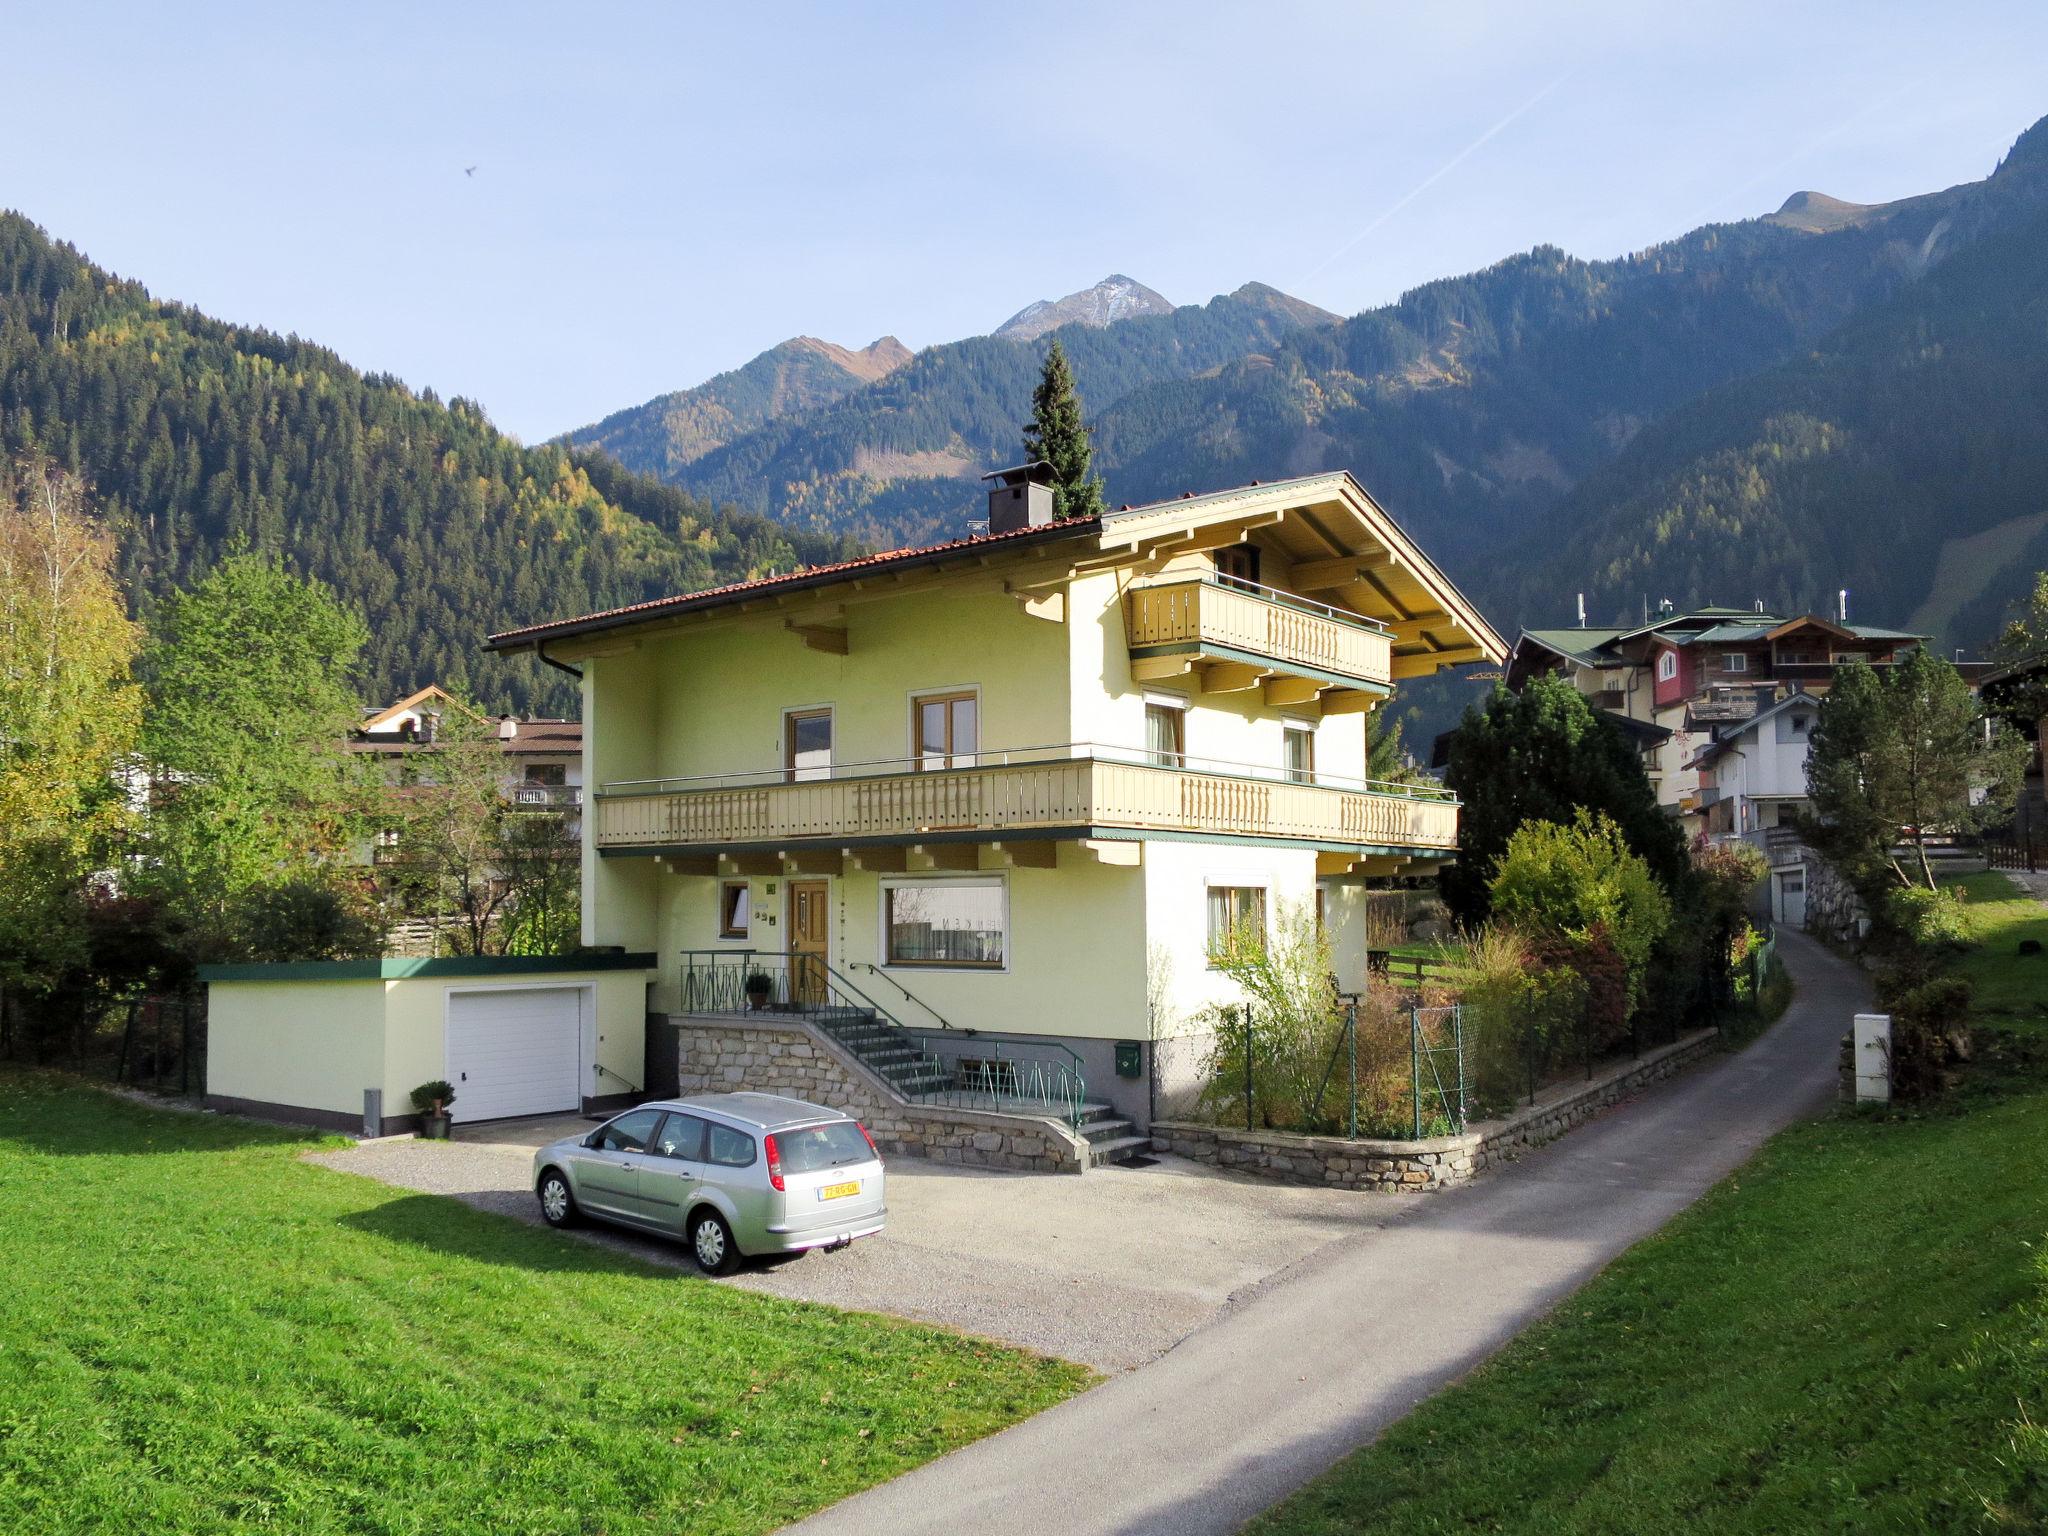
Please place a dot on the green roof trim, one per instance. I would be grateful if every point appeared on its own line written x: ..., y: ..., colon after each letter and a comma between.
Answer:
x: 406, y: 969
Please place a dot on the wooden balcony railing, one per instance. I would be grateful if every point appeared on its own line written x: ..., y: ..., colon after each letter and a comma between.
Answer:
x: 1257, y: 621
x: 1072, y: 792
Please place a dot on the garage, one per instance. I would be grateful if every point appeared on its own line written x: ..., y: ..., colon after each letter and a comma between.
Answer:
x: 515, y: 1051
x: 343, y: 1043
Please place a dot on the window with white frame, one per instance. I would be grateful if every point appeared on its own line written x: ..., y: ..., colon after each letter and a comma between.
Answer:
x: 735, y: 909
x: 1735, y: 661
x: 1667, y: 666
x: 1166, y: 742
x: 950, y: 923
x: 1234, y: 910
x: 1299, y: 751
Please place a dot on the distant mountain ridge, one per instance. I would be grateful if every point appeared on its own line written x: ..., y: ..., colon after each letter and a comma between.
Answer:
x: 1115, y: 298
x: 675, y: 430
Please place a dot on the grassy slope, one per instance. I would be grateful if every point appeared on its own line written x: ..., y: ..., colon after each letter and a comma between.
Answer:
x: 1850, y: 1334
x: 202, y: 1332
x: 2012, y: 989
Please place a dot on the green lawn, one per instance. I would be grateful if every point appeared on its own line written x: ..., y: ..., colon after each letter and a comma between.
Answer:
x: 2012, y: 989
x: 1849, y: 1335
x: 199, y: 1332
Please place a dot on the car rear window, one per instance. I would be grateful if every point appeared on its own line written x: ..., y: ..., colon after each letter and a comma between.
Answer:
x: 833, y: 1145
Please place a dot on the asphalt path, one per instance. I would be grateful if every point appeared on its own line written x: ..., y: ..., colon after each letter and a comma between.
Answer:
x: 1320, y: 1360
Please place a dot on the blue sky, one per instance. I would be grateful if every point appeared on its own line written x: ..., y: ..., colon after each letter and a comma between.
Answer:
x: 663, y: 190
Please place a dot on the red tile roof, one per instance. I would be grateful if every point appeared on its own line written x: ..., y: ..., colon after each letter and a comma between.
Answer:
x: 712, y: 597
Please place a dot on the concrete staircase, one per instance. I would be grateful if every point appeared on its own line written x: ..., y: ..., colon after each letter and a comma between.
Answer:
x: 1111, y: 1138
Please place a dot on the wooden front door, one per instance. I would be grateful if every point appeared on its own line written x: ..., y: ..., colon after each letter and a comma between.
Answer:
x: 809, y: 938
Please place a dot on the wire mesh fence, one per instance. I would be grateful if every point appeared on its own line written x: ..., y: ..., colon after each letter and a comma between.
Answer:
x: 1380, y: 1068
x: 145, y: 1040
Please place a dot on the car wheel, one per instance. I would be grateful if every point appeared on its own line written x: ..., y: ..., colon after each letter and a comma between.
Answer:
x: 557, y: 1203
x: 711, y: 1243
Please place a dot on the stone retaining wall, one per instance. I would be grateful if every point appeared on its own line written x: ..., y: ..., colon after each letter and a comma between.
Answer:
x: 718, y: 1053
x: 1437, y: 1162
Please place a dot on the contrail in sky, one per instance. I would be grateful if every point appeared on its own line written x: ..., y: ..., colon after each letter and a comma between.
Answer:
x: 1433, y: 178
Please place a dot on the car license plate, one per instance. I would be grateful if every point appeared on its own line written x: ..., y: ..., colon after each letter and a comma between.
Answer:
x: 839, y: 1191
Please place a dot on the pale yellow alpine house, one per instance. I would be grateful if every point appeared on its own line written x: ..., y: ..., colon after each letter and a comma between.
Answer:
x: 1019, y: 782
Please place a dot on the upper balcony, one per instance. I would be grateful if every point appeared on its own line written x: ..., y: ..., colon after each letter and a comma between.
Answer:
x: 1074, y: 792
x: 1249, y: 635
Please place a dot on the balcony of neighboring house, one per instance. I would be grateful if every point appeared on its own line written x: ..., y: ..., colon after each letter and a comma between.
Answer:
x: 1239, y: 634
x: 546, y: 797
x: 1026, y: 800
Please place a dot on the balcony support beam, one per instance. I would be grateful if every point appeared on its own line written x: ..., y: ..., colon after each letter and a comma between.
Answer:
x: 1050, y: 606
x: 1290, y: 690
x: 886, y: 861
x: 1112, y: 851
x: 926, y: 857
x: 813, y: 861
x: 819, y: 637
x: 1350, y: 701
x: 1231, y: 677
x: 1037, y: 853
x: 1430, y: 661
x: 1153, y: 669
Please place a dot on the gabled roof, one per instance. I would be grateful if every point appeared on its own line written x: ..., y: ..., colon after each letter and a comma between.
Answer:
x: 432, y: 693
x: 1727, y: 738
x: 1326, y: 524
x: 1584, y: 646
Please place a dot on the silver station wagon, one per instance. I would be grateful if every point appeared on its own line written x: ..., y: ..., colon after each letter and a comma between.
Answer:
x: 732, y: 1174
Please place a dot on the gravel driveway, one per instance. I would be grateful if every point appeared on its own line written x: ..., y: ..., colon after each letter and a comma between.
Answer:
x: 1111, y: 1268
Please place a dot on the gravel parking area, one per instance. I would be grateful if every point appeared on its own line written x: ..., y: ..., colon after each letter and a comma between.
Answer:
x: 1111, y: 1268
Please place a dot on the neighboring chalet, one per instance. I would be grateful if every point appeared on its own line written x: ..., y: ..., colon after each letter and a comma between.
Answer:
x: 1718, y: 699
x: 998, y: 798
x: 543, y: 757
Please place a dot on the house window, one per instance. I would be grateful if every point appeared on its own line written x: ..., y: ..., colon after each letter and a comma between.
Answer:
x: 735, y: 909
x: 554, y: 775
x: 1299, y: 747
x: 1794, y: 658
x: 1799, y: 725
x: 807, y: 744
x: 1235, y: 909
x: 955, y: 923
x: 1667, y: 666
x: 944, y: 730
x: 1166, y: 733
x: 1238, y: 566
x: 1843, y: 658
x: 1734, y: 661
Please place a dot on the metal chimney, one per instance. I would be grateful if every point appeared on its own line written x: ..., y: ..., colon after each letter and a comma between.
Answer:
x: 1842, y: 606
x: 1582, y: 610
x: 1020, y: 497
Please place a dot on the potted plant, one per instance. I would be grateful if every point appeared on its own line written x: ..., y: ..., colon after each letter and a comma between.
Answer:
x: 431, y: 1100
x: 760, y: 987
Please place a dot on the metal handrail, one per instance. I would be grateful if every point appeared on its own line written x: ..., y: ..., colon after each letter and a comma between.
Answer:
x: 1072, y: 751
x: 1273, y: 595
x: 875, y: 970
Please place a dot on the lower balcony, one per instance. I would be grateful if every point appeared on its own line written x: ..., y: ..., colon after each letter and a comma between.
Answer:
x: 1079, y: 792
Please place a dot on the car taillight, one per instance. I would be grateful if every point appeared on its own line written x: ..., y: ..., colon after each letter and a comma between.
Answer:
x: 870, y: 1140
x: 774, y: 1155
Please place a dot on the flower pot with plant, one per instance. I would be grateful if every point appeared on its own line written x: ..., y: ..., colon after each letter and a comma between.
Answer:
x: 431, y: 1101
x: 760, y: 987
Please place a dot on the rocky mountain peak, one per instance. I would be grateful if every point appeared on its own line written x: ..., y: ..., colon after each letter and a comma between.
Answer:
x: 1115, y: 298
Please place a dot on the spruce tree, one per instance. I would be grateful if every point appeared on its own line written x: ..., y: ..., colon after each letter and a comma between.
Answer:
x: 1058, y: 436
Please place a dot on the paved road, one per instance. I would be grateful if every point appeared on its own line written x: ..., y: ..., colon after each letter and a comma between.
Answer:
x: 1320, y: 1361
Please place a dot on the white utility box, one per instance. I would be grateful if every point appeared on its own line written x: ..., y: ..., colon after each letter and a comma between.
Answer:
x: 1873, y: 1058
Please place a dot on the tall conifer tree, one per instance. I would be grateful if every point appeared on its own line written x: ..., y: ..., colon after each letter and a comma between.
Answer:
x: 1059, y: 436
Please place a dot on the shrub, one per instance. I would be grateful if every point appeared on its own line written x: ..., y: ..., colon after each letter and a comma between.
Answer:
x: 1516, y: 1015
x: 434, y: 1096
x: 306, y: 919
x: 1292, y: 1024
x: 1929, y: 1030
x: 1933, y: 919
x: 1573, y: 883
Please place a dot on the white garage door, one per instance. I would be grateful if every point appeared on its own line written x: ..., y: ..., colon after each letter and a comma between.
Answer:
x: 515, y: 1052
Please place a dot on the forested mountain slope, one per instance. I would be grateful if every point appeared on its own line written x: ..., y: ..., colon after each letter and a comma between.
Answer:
x: 1905, y: 457
x: 674, y: 430
x: 897, y: 461
x: 195, y: 435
